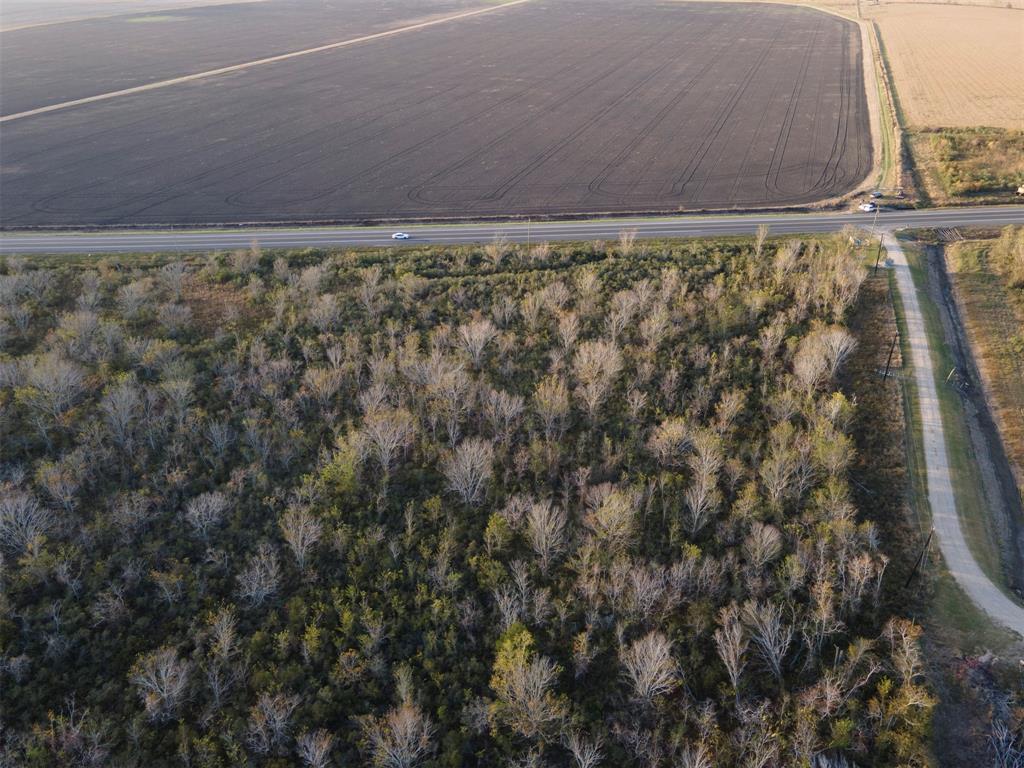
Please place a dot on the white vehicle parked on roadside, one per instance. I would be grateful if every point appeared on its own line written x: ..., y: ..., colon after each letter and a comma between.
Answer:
x: 400, y: 236
x: 867, y: 207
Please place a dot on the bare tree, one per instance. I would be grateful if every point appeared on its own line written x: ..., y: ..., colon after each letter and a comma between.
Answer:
x: 369, y: 291
x: 475, y: 336
x: 502, y: 411
x: 301, y: 530
x: 205, y: 512
x: 469, y: 468
x: 269, y: 726
x: 496, y: 250
x: 551, y: 401
x: 762, y: 235
x: 172, y: 279
x: 649, y: 666
x: 314, y: 748
x: 220, y: 436
x: 450, y: 393
x: 545, y: 528
x: 762, y: 545
x: 23, y: 520
x: 54, y: 384
x: 174, y: 317
x: 385, y: 433
x: 224, y: 635
x: 62, y: 479
x: 133, y: 297
x: 731, y: 641
x: 402, y: 738
x: 627, y: 237
x: 695, y: 756
x: 324, y: 313
x: 820, y: 354
x: 624, y: 306
x: 778, y: 473
x: 528, y: 704
x: 671, y: 441
x: 586, y: 753
x: 613, y: 519
x: 121, y: 407
x: 323, y: 384
x: 568, y: 329
x: 162, y: 680
x: 596, y: 365
x: 701, y: 501
x: 654, y: 327
x: 769, y: 633
x: 838, y: 344
x: 261, y: 577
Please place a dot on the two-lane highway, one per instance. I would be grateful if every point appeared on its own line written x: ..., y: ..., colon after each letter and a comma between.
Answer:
x: 552, y: 231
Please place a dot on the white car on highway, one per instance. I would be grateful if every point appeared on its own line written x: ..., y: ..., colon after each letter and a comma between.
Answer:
x: 400, y: 236
x: 867, y: 207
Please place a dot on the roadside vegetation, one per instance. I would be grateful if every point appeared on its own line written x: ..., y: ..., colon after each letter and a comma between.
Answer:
x: 988, y: 278
x: 565, y: 506
x: 973, y: 664
x: 975, y: 165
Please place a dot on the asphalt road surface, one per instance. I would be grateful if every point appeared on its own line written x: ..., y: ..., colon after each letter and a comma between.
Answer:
x: 606, y: 229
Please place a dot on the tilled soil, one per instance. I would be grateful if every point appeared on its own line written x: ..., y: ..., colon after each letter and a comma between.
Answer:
x: 550, y: 107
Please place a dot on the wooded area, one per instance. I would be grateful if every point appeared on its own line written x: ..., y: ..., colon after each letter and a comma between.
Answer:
x: 551, y: 506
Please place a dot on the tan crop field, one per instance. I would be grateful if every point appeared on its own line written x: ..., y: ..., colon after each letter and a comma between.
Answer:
x: 955, y: 66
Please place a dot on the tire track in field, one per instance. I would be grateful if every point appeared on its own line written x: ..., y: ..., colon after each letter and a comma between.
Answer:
x: 723, y: 117
x: 595, y: 187
x: 771, y: 179
x: 729, y: 130
x: 448, y: 130
x: 854, y: 62
x: 552, y: 149
x: 394, y: 104
x: 742, y: 172
x: 45, y: 204
x: 252, y: 64
x: 828, y: 178
x: 161, y: 196
x: 445, y: 132
x: 228, y: 118
x: 722, y: 114
x: 237, y: 200
x: 415, y: 194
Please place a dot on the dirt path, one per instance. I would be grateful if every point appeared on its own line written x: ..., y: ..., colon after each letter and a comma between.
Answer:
x: 941, y: 499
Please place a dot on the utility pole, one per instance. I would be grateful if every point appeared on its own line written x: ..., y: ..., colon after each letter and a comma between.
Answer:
x: 892, y: 348
x: 878, y: 256
x: 527, y: 233
x: 920, y: 557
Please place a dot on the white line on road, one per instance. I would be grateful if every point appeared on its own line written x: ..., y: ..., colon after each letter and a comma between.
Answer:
x: 941, y: 498
x: 250, y: 64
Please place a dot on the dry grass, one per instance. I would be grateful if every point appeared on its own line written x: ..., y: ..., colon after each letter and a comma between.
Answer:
x: 993, y: 314
x: 955, y: 66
